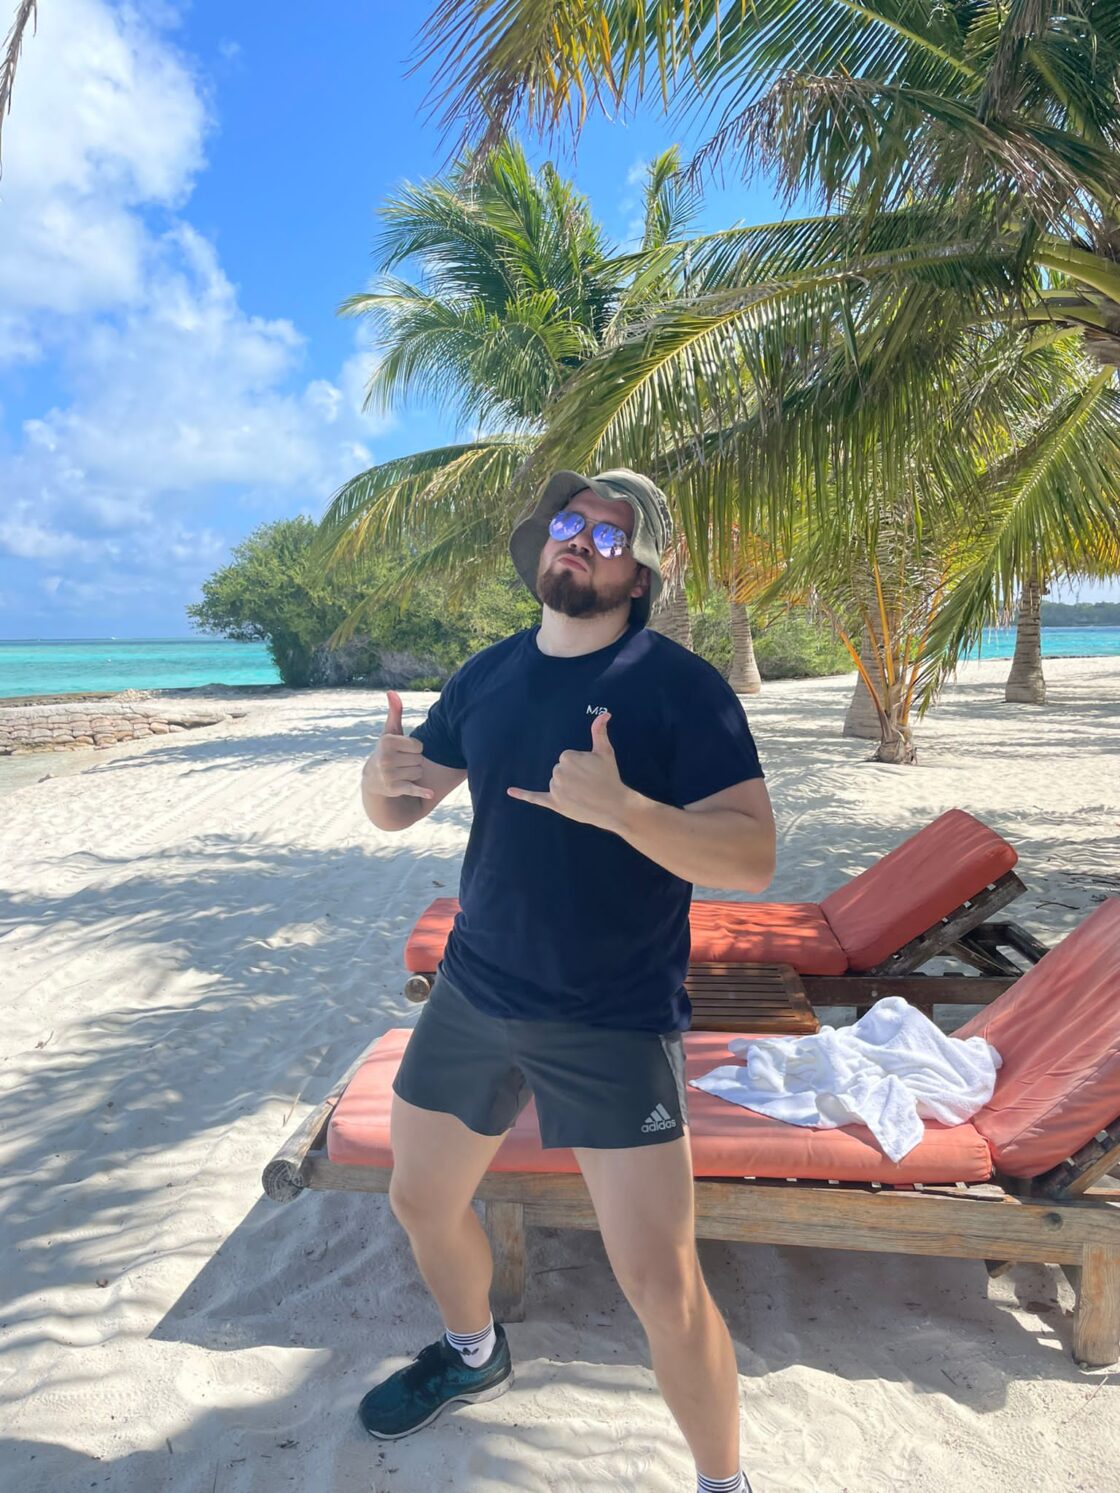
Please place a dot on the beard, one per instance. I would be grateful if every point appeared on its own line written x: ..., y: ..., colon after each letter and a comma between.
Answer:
x: 576, y: 594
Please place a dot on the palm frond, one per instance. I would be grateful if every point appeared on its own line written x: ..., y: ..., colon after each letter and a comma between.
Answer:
x: 26, y: 15
x: 1052, y: 511
x: 413, y: 498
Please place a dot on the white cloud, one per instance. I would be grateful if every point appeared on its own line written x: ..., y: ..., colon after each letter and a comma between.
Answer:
x: 107, y: 118
x: 22, y: 535
x: 185, y: 390
x: 18, y: 343
x: 174, y: 408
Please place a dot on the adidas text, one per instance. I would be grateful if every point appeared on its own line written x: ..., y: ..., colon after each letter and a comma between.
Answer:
x: 659, y: 1119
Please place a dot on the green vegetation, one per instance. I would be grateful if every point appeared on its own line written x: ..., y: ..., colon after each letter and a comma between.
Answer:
x: 789, y: 646
x: 899, y: 413
x: 271, y: 592
x: 274, y: 590
x: 909, y: 396
x: 512, y: 286
x: 1081, y: 614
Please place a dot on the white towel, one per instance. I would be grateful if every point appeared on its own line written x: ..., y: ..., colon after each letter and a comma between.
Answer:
x: 889, y: 1071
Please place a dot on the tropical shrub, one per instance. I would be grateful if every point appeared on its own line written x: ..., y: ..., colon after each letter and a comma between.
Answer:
x: 275, y: 590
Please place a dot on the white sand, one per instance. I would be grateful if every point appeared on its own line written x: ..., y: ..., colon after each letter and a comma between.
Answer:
x: 201, y: 932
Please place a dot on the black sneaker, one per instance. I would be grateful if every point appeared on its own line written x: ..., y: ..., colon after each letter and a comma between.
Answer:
x: 412, y: 1397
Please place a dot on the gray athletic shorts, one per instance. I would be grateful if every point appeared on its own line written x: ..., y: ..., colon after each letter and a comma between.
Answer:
x: 594, y: 1086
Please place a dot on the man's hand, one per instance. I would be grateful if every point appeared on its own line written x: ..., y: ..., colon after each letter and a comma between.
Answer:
x: 394, y: 767
x: 584, y: 785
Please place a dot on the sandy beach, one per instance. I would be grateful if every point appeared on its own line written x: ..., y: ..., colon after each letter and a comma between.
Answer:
x: 200, y: 932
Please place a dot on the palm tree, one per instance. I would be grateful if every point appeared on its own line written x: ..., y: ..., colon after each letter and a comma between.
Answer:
x: 1026, y: 683
x: 880, y: 103
x: 971, y: 152
x: 518, y: 288
x: 743, y: 677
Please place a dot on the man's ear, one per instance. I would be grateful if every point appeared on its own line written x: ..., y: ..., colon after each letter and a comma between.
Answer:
x: 641, y: 582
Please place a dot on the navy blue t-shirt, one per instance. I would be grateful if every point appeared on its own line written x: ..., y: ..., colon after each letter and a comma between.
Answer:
x: 561, y: 920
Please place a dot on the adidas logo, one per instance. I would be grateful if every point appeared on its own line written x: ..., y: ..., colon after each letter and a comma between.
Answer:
x: 659, y: 1119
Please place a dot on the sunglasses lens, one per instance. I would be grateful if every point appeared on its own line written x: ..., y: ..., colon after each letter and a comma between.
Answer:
x: 565, y: 524
x: 609, y: 540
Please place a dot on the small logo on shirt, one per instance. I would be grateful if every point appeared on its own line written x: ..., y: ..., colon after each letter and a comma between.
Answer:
x: 659, y: 1119
x: 597, y: 710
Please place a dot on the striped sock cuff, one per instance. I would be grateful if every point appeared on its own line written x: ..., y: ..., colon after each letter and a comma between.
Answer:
x: 465, y: 1341
x: 736, y: 1484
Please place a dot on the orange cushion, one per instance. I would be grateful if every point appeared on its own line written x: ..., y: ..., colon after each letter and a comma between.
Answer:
x: 726, y: 1140
x: 765, y: 933
x: 722, y: 932
x: 1058, y: 1032
x: 424, y: 948
x: 913, y: 886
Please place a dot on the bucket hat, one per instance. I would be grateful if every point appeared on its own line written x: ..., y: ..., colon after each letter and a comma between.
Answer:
x: 653, y: 526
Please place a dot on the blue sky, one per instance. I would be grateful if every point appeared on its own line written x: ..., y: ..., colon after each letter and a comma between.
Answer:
x: 189, y: 191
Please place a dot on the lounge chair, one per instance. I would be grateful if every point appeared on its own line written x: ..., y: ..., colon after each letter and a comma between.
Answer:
x: 929, y: 898
x: 1025, y: 1179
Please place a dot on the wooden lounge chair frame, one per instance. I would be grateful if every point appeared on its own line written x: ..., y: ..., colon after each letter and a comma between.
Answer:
x: 964, y: 934
x: 1070, y: 1216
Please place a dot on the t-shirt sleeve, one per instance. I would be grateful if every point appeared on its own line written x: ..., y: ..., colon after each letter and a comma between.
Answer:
x: 712, y: 742
x: 440, y: 732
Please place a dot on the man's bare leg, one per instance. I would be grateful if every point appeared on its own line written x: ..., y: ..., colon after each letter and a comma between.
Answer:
x: 437, y: 1166
x: 643, y: 1198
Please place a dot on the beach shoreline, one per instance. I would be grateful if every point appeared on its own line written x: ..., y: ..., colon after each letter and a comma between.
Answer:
x: 186, y: 691
x: 200, y: 934
x: 107, y: 668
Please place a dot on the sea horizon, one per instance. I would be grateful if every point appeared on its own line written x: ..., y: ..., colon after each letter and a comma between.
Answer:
x: 31, y: 667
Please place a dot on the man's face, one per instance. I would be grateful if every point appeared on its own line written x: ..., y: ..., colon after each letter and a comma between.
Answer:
x: 574, y: 578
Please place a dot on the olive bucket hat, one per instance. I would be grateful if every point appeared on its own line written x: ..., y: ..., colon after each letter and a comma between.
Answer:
x: 653, y: 526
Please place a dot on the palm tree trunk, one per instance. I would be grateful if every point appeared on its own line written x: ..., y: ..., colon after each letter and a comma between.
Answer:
x: 1025, y: 683
x: 744, y: 677
x: 896, y: 744
x: 862, y: 719
x: 670, y: 616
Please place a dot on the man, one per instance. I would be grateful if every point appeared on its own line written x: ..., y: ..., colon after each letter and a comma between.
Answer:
x: 609, y: 770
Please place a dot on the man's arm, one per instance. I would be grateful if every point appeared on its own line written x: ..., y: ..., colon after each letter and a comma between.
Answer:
x: 726, y: 840
x: 403, y: 811
x: 399, y: 784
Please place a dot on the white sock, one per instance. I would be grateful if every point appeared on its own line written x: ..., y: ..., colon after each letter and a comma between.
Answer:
x: 736, y: 1484
x: 474, y: 1347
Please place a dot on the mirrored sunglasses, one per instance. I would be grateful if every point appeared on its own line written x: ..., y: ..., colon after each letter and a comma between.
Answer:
x: 610, y: 540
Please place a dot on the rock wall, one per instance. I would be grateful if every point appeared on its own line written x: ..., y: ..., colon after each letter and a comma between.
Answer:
x: 93, y: 723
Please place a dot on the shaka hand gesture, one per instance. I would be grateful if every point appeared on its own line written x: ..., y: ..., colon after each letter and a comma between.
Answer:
x: 585, y: 785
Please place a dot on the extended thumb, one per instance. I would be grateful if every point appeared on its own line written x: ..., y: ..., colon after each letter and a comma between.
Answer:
x: 600, y: 741
x: 393, y: 725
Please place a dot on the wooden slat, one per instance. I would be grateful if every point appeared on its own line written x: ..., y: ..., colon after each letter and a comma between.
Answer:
x: 924, y: 990
x: 1093, y: 1161
x: 943, y: 1222
x: 764, y: 998
x: 943, y: 935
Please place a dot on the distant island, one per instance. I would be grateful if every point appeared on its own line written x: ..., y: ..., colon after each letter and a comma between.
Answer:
x: 1081, y: 614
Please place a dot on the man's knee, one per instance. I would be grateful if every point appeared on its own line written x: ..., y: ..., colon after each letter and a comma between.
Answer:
x: 417, y: 1205
x: 666, y: 1289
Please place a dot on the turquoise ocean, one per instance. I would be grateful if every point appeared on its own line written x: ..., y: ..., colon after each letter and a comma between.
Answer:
x: 92, y: 665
